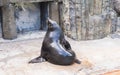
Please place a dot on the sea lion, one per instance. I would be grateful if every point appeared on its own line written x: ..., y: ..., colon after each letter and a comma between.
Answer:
x: 55, y: 48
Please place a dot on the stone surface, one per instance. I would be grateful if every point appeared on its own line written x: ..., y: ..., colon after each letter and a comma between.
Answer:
x: 0, y: 22
x: 9, y: 26
x: 89, y: 19
x: 118, y: 24
x: 0, y: 30
x: 80, y: 19
x: 116, y: 6
x: 1, y: 2
x: 116, y: 72
x: 97, y: 57
x: 4, y: 2
x: 13, y: 1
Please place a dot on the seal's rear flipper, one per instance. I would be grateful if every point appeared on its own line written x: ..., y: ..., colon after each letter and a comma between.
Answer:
x: 77, y: 61
x: 37, y: 60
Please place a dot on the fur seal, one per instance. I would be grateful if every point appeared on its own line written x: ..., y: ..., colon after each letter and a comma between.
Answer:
x: 55, y: 48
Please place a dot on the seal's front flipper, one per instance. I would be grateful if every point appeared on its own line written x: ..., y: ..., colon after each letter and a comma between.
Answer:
x: 77, y: 61
x: 37, y: 60
x: 65, y: 44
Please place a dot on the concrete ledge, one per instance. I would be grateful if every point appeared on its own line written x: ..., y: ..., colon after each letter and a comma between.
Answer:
x: 4, y: 2
x: 14, y: 1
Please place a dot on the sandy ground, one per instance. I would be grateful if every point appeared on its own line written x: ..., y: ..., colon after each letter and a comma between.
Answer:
x: 97, y: 56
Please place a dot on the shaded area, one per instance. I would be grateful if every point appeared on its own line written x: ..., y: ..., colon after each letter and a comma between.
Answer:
x: 31, y: 16
x: 0, y: 22
x: 28, y: 17
x: 44, y: 15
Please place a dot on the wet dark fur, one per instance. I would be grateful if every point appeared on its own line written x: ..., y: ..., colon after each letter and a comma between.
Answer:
x: 55, y: 48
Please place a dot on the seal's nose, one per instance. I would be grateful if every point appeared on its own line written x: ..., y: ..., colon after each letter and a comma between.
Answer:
x: 49, y: 20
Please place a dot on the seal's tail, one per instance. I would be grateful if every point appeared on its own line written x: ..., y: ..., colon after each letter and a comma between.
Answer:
x: 77, y: 61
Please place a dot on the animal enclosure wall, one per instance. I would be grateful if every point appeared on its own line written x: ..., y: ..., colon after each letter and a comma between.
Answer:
x: 89, y: 19
x: 24, y: 16
x: 79, y: 19
x: 0, y: 23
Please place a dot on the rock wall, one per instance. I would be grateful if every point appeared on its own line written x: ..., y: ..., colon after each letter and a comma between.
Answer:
x: 79, y: 19
x: 0, y: 30
x: 0, y: 23
x: 116, y: 6
x: 118, y: 24
x: 66, y: 21
x: 89, y: 19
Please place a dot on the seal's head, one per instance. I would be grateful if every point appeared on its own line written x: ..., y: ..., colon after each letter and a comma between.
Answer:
x: 52, y: 25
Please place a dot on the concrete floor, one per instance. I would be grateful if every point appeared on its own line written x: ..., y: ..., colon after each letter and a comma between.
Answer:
x: 97, y: 57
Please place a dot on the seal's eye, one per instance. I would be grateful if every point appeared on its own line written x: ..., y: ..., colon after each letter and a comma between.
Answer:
x: 50, y: 25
